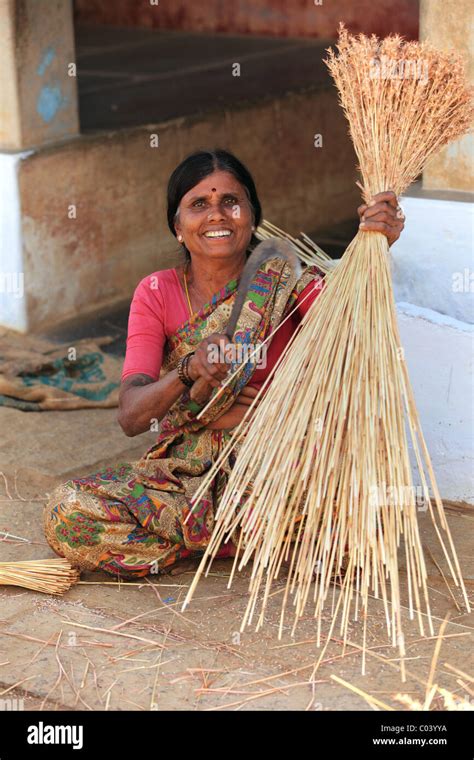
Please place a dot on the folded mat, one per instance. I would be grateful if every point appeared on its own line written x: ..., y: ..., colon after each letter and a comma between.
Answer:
x: 37, y: 374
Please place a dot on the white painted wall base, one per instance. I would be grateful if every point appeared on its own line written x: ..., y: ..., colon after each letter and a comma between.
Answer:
x: 439, y: 356
x: 433, y: 261
x: 433, y: 275
x: 12, y: 278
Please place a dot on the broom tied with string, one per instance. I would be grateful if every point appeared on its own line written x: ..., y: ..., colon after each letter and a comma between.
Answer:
x: 329, y: 438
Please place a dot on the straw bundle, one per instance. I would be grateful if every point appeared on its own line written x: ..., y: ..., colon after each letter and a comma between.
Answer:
x: 306, y: 249
x: 50, y: 576
x: 323, y: 466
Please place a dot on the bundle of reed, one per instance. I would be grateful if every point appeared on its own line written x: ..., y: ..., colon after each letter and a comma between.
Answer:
x: 50, y: 576
x: 323, y: 476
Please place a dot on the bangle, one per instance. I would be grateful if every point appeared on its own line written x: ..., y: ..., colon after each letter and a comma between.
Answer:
x: 182, y: 368
x: 187, y: 359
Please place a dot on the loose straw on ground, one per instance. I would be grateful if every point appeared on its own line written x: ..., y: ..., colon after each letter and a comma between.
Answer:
x: 324, y: 474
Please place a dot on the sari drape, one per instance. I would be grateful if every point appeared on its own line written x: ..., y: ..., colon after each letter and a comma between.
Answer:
x: 129, y: 520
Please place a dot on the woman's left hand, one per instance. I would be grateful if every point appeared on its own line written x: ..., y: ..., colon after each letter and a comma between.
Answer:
x: 382, y: 214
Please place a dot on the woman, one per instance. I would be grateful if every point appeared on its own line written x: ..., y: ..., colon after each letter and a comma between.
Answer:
x: 130, y: 520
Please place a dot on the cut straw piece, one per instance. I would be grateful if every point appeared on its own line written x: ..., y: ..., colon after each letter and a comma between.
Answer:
x: 49, y: 576
x: 368, y: 697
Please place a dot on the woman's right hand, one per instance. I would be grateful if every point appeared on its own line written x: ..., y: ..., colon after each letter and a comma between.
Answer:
x: 209, y: 363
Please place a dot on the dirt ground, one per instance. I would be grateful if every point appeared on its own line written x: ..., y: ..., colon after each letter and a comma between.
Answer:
x: 127, y: 646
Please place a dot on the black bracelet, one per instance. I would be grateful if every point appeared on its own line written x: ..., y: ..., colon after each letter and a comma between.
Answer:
x: 185, y: 368
x: 182, y: 368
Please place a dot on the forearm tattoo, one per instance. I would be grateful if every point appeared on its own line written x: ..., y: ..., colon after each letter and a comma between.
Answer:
x: 135, y: 380
x: 138, y: 380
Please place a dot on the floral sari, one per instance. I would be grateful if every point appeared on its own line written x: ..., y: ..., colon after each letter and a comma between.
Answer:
x: 130, y: 520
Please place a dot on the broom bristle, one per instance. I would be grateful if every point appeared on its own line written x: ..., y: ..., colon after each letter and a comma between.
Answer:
x: 50, y: 576
x: 308, y: 251
x: 328, y: 441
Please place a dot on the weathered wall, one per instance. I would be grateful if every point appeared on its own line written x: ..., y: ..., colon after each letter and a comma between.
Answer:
x: 298, y: 18
x: 449, y: 24
x: 117, y: 183
x: 10, y: 131
x: 38, y: 97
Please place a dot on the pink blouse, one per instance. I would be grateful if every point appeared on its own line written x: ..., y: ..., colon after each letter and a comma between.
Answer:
x: 159, y: 308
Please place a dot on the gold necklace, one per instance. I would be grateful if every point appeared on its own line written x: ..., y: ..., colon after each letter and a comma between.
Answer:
x: 187, y: 292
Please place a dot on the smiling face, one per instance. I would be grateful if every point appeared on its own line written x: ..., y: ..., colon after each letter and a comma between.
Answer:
x: 215, y: 217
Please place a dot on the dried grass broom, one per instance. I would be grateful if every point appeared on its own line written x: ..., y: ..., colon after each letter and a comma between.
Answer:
x: 328, y: 445
x: 50, y: 576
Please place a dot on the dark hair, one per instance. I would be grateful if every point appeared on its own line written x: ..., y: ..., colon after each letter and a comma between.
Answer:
x: 201, y: 164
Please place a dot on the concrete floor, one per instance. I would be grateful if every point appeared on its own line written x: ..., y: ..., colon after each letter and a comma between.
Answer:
x: 165, y: 659
x: 130, y: 77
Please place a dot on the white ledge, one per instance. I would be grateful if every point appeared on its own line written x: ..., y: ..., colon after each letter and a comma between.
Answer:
x: 430, y: 315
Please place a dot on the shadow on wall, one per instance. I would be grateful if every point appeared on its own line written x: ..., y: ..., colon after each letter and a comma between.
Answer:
x: 300, y: 18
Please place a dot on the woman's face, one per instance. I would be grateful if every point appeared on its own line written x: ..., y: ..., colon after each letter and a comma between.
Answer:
x: 215, y: 217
